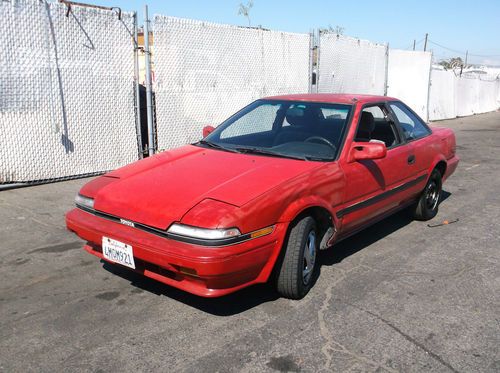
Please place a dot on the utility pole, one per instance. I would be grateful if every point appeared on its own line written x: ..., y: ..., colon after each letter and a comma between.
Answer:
x: 414, y: 42
x: 425, y: 43
x: 466, y: 56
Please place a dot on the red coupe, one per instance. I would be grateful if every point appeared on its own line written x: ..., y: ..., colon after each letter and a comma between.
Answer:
x: 258, y: 197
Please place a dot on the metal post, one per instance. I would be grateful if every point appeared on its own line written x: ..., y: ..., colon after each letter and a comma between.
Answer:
x: 149, y: 100
x: 414, y: 44
x: 137, y: 93
x: 311, y: 57
x: 429, y: 90
x: 318, y: 59
x: 425, y: 43
x: 386, y: 85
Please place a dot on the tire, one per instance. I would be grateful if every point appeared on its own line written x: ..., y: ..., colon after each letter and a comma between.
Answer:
x: 298, y: 267
x: 428, y: 204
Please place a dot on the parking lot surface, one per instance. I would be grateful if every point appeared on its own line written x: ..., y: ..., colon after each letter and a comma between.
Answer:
x: 399, y: 296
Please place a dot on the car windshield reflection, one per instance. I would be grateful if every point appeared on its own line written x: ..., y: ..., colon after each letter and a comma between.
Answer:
x: 289, y: 129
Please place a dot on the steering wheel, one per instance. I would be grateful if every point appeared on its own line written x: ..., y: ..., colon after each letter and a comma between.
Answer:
x: 322, y: 139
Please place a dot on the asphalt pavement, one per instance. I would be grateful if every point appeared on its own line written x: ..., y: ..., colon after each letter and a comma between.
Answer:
x: 399, y: 296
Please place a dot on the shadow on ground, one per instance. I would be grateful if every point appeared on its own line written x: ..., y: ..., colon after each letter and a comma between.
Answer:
x: 252, y: 296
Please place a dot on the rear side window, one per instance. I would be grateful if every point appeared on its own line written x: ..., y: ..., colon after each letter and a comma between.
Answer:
x: 412, y: 126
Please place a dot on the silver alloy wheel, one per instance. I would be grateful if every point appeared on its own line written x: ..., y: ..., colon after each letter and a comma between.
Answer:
x: 432, y: 195
x: 309, y: 257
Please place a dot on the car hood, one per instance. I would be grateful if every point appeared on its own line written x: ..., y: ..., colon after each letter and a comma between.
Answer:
x: 162, y: 189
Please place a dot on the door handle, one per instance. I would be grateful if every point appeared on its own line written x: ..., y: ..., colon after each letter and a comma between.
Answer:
x: 411, y: 159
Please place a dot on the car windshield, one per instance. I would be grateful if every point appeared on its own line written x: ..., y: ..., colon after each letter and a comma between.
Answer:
x: 291, y: 129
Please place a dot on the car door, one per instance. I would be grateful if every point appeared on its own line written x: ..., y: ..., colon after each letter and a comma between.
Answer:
x: 375, y: 186
x: 414, y: 132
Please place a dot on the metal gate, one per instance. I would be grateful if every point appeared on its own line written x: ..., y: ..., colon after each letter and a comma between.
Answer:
x: 66, y: 91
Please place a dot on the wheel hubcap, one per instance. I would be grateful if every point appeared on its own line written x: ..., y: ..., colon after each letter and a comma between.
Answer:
x: 309, y: 257
x: 432, y: 195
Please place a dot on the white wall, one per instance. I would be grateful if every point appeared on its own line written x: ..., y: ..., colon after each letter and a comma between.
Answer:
x: 452, y: 95
x: 408, y: 78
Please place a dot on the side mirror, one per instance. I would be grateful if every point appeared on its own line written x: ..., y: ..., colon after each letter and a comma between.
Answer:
x: 207, y: 130
x: 367, y: 150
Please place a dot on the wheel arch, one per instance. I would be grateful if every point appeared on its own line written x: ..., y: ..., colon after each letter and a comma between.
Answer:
x: 321, y: 212
x: 313, y: 205
x: 441, y: 167
x: 439, y: 163
x: 322, y: 216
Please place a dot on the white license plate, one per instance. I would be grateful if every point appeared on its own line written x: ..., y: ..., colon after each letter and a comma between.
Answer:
x: 118, y: 252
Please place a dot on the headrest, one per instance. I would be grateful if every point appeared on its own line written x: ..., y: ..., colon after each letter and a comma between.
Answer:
x: 366, y: 125
x: 296, y: 116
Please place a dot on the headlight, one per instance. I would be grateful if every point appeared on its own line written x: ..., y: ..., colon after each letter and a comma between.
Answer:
x: 203, y: 233
x: 85, y: 202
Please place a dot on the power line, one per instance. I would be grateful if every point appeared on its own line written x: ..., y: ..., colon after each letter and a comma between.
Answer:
x: 462, y: 52
x: 416, y: 43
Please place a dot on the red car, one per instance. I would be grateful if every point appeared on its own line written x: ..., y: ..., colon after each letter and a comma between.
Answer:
x: 264, y: 191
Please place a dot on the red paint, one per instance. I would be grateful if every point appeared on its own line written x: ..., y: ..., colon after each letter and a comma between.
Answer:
x: 215, y: 189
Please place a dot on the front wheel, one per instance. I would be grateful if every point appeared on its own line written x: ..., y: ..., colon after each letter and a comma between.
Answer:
x: 428, y: 204
x: 298, y: 267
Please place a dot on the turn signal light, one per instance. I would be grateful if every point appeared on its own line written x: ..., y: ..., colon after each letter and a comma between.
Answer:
x: 262, y: 232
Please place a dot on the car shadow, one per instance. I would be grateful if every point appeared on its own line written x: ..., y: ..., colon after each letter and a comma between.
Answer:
x: 227, y: 305
x: 369, y: 236
x: 253, y: 296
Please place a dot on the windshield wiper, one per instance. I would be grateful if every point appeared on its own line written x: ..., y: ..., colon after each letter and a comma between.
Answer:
x: 215, y: 146
x: 268, y: 152
x: 320, y: 159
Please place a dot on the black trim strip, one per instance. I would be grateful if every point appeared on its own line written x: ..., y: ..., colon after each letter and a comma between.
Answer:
x: 380, y: 197
x: 165, y: 234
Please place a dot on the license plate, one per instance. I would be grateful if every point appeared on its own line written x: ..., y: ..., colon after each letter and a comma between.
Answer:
x: 118, y: 252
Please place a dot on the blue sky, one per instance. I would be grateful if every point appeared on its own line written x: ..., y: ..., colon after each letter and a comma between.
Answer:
x: 459, y: 25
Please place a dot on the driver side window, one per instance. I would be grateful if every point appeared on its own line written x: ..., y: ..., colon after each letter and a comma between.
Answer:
x: 413, y: 128
x: 375, y: 126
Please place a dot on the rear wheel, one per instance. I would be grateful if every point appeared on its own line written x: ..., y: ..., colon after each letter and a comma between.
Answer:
x: 428, y: 204
x: 298, y: 267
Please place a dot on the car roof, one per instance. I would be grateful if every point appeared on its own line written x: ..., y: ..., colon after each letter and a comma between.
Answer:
x: 333, y: 98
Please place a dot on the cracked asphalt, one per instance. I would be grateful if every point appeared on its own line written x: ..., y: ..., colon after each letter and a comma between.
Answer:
x: 399, y: 296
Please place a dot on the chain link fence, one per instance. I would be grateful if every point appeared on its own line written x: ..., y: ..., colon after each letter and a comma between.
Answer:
x: 205, y: 72
x: 66, y: 91
x: 349, y: 65
x: 67, y: 94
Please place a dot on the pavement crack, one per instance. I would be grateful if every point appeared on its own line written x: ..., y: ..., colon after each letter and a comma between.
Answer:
x: 331, y: 345
x: 323, y: 328
x: 408, y: 338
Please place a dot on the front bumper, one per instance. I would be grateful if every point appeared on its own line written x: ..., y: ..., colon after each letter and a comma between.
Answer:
x: 204, y: 271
